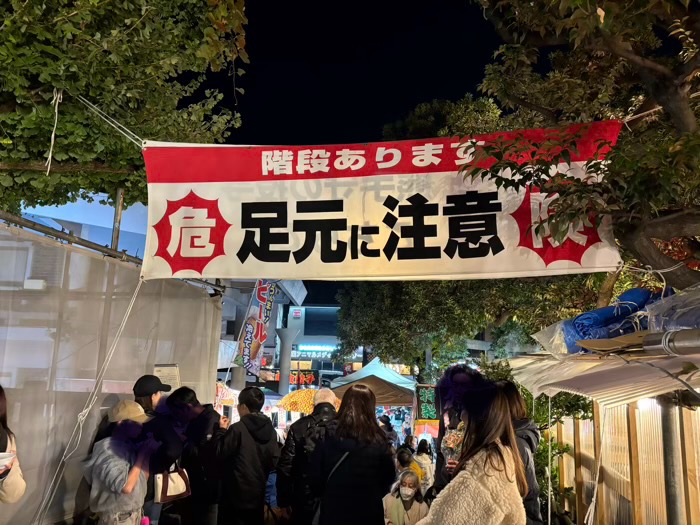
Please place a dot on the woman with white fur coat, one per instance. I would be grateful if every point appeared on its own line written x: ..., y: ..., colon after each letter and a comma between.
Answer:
x: 12, y: 485
x: 489, y: 477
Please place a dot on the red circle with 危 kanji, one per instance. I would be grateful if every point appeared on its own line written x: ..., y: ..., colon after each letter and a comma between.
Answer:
x: 191, y: 233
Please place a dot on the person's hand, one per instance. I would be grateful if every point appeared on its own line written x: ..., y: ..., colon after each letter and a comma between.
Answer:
x: 5, y: 470
x: 451, y: 466
x: 224, y: 422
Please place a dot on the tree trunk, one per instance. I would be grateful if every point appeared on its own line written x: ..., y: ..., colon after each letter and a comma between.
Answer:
x: 646, y: 252
x: 675, y: 101
x: 606, y: 290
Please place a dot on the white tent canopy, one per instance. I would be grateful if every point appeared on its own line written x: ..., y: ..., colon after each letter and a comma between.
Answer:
x: 611, y: 381
x: 389, y: 387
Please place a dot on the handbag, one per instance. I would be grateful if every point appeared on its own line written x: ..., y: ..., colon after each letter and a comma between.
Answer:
x: 171, y: 485
x: 317, y: 514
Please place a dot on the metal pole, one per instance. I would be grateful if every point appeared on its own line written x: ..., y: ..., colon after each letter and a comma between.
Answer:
x: 287, y: 337
x: 72, y: 239
x: 118, y: 209
x: 672, y: 461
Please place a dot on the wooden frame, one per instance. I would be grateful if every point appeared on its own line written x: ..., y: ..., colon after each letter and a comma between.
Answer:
x: 598, y: 442
x: 562, y: 465
x: 578, y: 474
x: 690, y: 473
x: 635, y: 481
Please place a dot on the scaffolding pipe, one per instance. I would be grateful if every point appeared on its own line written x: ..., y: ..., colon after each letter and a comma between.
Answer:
x: 673, y: 466
x: 118, y: 209
x: 72, y: 239
x: 673, y: 343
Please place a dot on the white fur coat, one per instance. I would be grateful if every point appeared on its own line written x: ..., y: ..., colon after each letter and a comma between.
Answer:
x: 12, y: 487
x: 479, y: 495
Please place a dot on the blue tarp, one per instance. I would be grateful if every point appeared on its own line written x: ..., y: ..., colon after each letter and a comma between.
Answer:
x: 611, y: 321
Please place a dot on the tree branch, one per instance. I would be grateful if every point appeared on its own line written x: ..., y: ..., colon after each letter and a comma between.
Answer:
x: 606, y: 290
x: 530, y: 39
x: 640, y: 243
x: 549, y: 115
x: 685, y: 223
x: 94, y: 167
x: 624, y: 50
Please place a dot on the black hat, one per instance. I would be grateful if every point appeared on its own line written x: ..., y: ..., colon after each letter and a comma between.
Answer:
x: 149, y: 385
x: 385, y: 419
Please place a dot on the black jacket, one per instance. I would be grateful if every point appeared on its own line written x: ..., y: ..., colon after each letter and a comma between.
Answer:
x: 248, y: 452
x: 391, y: 435
x: 528, y: 440
x: 353, y: 494
x: 169, y: 451
x: 204, y: 473
x: 292, y: 470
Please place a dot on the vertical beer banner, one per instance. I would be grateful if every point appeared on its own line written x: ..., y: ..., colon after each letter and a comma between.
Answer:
x: 254, y: 331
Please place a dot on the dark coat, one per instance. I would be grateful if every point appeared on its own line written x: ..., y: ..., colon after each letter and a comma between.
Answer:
x: 170, y: 449
x: 248, y: 452
x: 293, y: 488
x: 204, y: 473
x: 391, y: 435
x: 528, y: 437
x: 353, y: 494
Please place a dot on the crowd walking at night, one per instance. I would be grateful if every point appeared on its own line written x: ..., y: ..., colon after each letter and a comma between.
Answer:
x: 158, y: 460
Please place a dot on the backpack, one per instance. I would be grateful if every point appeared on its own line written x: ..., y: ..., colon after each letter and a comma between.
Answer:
x: 316, y: 433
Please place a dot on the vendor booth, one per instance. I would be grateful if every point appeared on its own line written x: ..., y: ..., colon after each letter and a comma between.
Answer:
x: 389, y: 387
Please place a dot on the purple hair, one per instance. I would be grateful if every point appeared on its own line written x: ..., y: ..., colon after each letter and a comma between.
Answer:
x: 445, y: 387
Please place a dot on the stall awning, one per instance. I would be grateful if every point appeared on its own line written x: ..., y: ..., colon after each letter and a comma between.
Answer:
x: 389, y: 387
x: 611, y: 381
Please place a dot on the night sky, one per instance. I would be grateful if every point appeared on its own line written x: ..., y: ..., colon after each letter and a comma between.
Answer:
x: 324, y: 74
x: 320, y: 74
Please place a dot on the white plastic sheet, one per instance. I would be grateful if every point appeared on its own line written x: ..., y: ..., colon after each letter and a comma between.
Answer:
x: 59, y: 309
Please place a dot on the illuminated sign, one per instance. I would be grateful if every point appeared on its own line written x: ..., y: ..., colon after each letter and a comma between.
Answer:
x: 425, y: 399
x: 296, y: 377
x: 305, y: 351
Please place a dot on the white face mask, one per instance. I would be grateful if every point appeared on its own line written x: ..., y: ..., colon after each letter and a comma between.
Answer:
x: 407, y: 493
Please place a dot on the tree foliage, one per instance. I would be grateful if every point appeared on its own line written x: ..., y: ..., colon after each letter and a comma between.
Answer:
x: 141, y: 62
x: 579, y: 60
x: 444, y: 118
x: 400, y: 320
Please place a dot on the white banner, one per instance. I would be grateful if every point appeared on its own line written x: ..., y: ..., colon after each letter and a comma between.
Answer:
x: 377, y: 211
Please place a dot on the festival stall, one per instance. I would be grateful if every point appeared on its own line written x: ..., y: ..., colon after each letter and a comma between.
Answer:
x: 389, y: 387
x: 394, y: 393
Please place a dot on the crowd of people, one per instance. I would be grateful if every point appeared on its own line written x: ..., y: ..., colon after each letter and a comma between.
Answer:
x: 334, y: 467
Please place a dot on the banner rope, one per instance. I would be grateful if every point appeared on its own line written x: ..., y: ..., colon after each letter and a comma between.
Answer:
x: 651, y: 111
x: 57, y: 99
x: 73, y: 443
x: 130, y: 135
